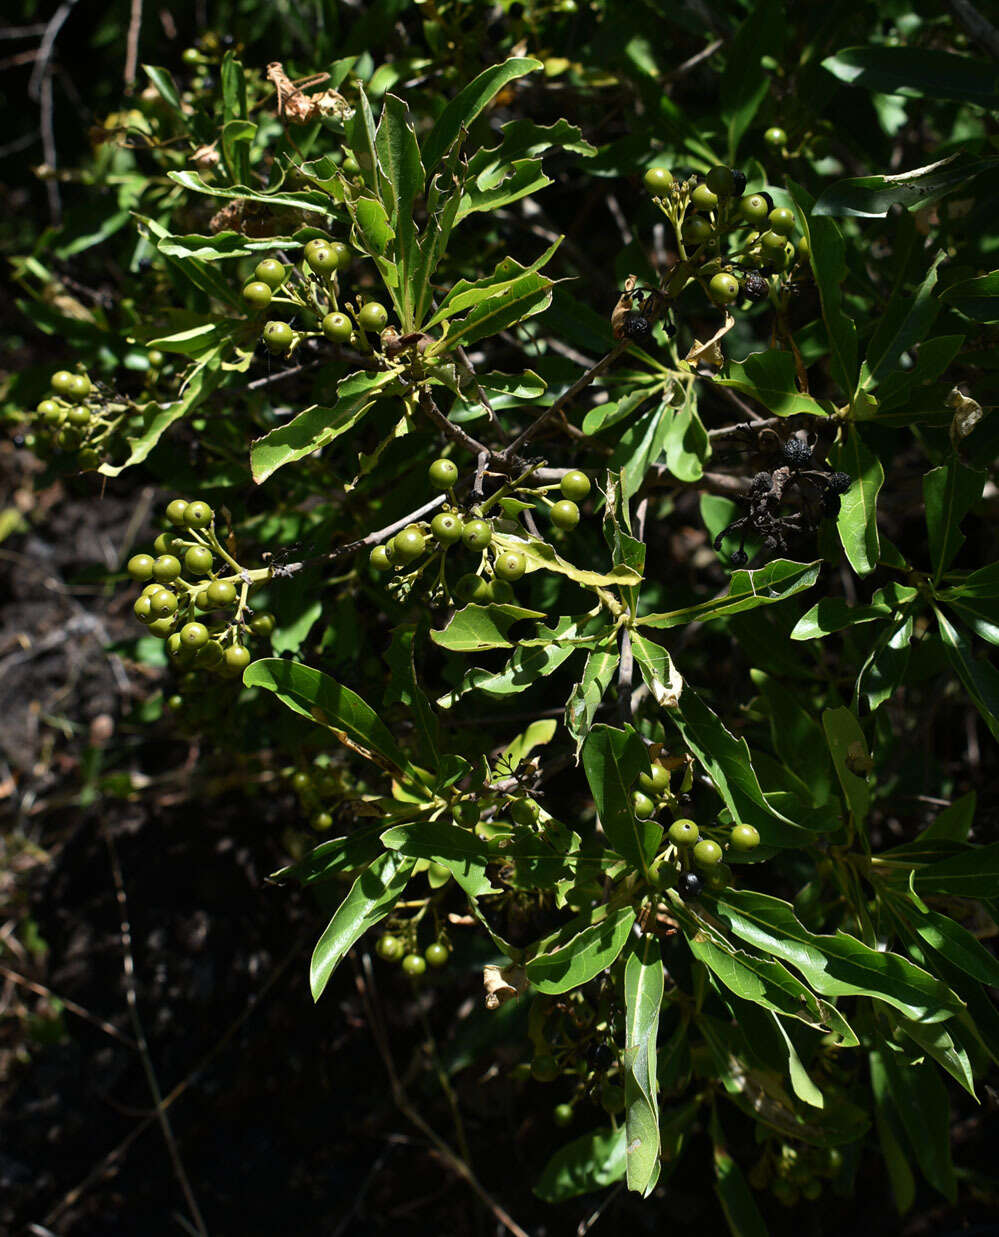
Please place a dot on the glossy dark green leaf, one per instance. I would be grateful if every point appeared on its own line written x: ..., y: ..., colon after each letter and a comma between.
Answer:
x: 833, y: 614
x: 916, y: 1095
x: 612, y: 761
x: 890, y: 1136
x: 306, y: 200
x: 643, y: 994
x: 540, y: 556
x: 905, y: 322
x: 732, y: 1189
x: 746, y: 590
x: 848, y: 749
x: 971, y: 874
x: 976, y: 298
x: 591, y: 1162
x: 661, y: 676
x: 458, y: 849
x: 770, y: 378
x: 584, y: 955
x: 598, y: 673
x: 873, y: 196
x: 917, y: 73
x: 980, y: 678
x: 477, y: 628
x: 954, y: 822
x: 371, y: 897
x: 938, y: 1044
x: 745, y: 82
x: 949, y: 493
x: 857, y: 523
x: 331, y: 858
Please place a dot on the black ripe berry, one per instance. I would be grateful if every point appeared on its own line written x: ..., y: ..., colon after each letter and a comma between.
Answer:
x: 739, y: 558
x: 637, y: 327
x: 738, y: 183
x: 755, y: 287
x: 798, y: 454
x: 599, y: 1056
x: 768, y: 199
x: 763, y: 483
x: 839, y: 482
x: 690, y: 885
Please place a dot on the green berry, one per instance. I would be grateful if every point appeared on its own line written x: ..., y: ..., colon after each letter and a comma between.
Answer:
x: 773, y: 243
x: 62, y: 382
x: 565, y: 514
x: 745, y: 837
x: 510, y: 565
x: 89, y: 459
x: 723, y: 288
x: 322, y: 821
x: 372, y: 316
x: 477, y: 534
x: 754, y: 208
x: 68, y: 438
x: 320, y: 256
x: 782, y: 220
x: 562, y: 1115
x: 162, y: 603
x: 237, y: 658
x: 343, y: 254
x: 407, y: 545
x: 198, y: 560
x: 209, y: 656
x: 78, y: 415
x: 720, y: 181
x: 437, y: 954
x: 657, y: 180
x: 663, y: 873
x: 389, y: 947
x: 642, y: 805
x: 221, y: 593
x: 803, y: 249
x: 278, y: 336
x: 545, y: 1069
x: 473, y: 589
x: 703, y: 199
x: 161, y: 627
x: 175, y: 702
x: 575, y: 485
x: 443, y: 474
x: 696, y: 230
x: 683, y: 833
x: 80, y: 386
x: 524, y: 812
x: 263, y: 624
x: 140, y: 566
x: 142, y: 609
x: 466, y: 813
x: 707, y: 853
x: 350, y: 166
x: 447, y: 528
x: 194, y: 635
x: 257, y: 294
x: 155, y: 358
x: 270, y: 271
x: 656, y: 782
x: 50, y: 412
x: 337, y: 328
x: 166, y: 568
x: 718, y: 877
x: 379, y: 559
x: 414, y: 965
x: 175, y: 511
x: 775, y: 136
x: 198, y: 515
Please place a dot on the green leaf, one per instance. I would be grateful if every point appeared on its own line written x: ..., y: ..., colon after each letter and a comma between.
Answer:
x: 662, y: 678
x: 915, y: 1095
x: 847, y: 746
x: 164, y: 84
x: 976, y: 298
x: 732, y: 1190
x: 399, y: 160
x: 771, y: 379
x: 309, y: 199
x: 222, y: 246
x: 903, y: 1183
x: 837, y: 965
x: 360, y: 134
x: 318, y: 426
x: 871, y: 197
x: 522, y: 298
x: 581, y: 707
x: 917, y: 73
x: 828, y: 261
x: 980, y: 679
x: 470, y: 103
x: 971, y: 874
x: 477, y: 628
x: 686, y: 447
x: 643, y: 995
x: 537, y: 734
x: 371, y: 897
x: 540, y: 556
x: 460, y: 850
x: 197, y: 341
x: 937, y: 1043
x: 905, y: 321
x: 857, y: 524
x: 466, y: 293
x: 237, y: 137
x: 746, y: 590
x: 584, y: 956
x: 949, y: 493
x: 520, y: 180
x: 612, y: 761
x: 331, y: 858
x: 953, y: 822
x: 314, y: 694
x: 590, y: 1162
x: 745, y: 83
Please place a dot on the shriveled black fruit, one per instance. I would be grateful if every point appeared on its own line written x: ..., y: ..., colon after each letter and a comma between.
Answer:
x: 755, y: 287
x: 762, y: 483
x: 839, y: 482
x: 798, y: 454
x: 636, y: 327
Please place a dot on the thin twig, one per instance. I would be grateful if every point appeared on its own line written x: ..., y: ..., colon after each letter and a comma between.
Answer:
x: 131, y: 995
x: 132, y: 44
x: 979, y: 29
x: 66, y: 1003
x: 454, y: 432
x: 704, y: 54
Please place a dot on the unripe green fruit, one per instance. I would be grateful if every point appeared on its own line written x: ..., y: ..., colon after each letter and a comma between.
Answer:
x: 745, y: 837
x: 278, y: 336
x: 337, y: 328
x: 775, y: 136
x: 263, y: 624
x: 198, y: 515
x: 198, y: 560
x: 162, y: 603
x: 194, y: 635
x: 78, y: 415
x: 510, y: 565
x: 696, y: 230
x: 379, y: 559
x: 221, y: 593
x: 322, y: 821
x: 164, y: 543
x: 414, y: 965
x: 209, y: 656
x: 575, y: 485
x: 781, y: 220
x: 466, y: 813
x: 166, y: 568
x: 501, y: 592
x: 642, y: 805
x: 407, y: 545
x: 350, y: 166
x: 176, y: 702
x: 237, y: 657
x: 663, y: 873
x: 140, y: 566
x: 773, y: 243
x: 562, y: 1115
x: 343, y: 253
x: 442, y: 474
x: 703, y: 199
x: 803, y: 249
x: 477, y: 534
x: 62, y: 382
x: 447, y: 528
x: 473, y: 589
x: 437, y: 954
x: 720, y: 181
x: 754, y: 208
x: 68, y: 438
x: 718, y: 877
x: 656, y: 782
x: 524, y: 812
x: 80, y: 386
x: 142, y: 609
x: 161, y: 627
x: 257, y: 294
x: 372, y: 316
x: 545, y: 1069
x: 565, y: 514
x: 657, y: 180
x: 155, y: 358
x: 270, y: 271
x: 707, y: 853
x: 320, y: 256
x: 389, y: 947
x: 89, y: 459
x: 175, y: 511
x: 724, y: 288
x: 50, y: 412
x: 683, y: 832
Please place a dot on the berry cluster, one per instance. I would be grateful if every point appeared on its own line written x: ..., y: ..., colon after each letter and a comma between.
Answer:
x: 195, y: 594
x: 315, y: 787
x: 420, y: 545
x: 574, y: 1037
x: 819, y: 490
x: 75, y: 419
x: 793, y: 1171
x: 735, y: 245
